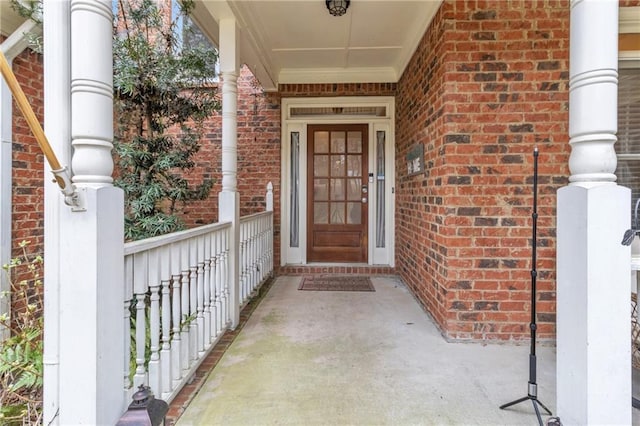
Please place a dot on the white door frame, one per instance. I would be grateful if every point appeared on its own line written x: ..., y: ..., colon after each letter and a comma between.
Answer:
x: 378, y: 112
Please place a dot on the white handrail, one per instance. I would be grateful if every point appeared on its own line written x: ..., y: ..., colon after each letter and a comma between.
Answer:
x: 153, y: 242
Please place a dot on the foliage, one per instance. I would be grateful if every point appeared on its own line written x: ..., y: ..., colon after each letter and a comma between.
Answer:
x: 162, y: 97
x: 31, y: 9
x: 21, y: 352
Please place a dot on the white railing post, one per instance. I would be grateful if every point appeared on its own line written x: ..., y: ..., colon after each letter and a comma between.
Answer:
x: 269, y: 197
x: 593, y: 295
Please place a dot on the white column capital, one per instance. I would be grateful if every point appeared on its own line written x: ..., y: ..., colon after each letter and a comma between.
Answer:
x: 229, y: 46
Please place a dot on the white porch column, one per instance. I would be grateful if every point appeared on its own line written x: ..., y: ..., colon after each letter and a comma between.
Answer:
x: 57, y: 127
x: 91, y: 241
x: 593, y: 298
x: 229, y: 199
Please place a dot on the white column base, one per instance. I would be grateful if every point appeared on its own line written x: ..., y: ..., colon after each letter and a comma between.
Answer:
x: 229, y: 211
x: 593, y: 306
x: 91, y: 295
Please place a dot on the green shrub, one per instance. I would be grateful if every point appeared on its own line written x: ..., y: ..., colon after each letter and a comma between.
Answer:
x: 162, y: 95
x: 21, y: 352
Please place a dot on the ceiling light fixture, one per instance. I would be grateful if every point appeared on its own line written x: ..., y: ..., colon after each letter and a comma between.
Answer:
x: 338, y: 7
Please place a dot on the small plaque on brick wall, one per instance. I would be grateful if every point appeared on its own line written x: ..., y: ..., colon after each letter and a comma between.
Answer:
x: 415, y: 160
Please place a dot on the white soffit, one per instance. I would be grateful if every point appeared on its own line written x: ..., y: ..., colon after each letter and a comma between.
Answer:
x: 10, y: 20
x: 298, y: 41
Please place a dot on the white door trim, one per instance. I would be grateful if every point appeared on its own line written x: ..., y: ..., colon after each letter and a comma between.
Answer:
x: 378, y: 112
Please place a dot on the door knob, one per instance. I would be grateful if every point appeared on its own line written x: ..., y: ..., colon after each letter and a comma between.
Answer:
x: 364, y: 200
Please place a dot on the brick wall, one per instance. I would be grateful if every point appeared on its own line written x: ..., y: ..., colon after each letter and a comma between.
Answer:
x: 629, y: 3
x: 28, y: 162
x: 495, y: 78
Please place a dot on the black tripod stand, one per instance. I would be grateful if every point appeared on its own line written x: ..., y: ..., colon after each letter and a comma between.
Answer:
x: 532, y: 393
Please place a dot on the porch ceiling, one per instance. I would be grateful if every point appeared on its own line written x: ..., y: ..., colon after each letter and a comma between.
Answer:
x: 10, y: 20
x: 298, y: 41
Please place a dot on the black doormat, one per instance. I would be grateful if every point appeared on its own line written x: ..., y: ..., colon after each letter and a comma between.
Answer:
x: 336, y: 283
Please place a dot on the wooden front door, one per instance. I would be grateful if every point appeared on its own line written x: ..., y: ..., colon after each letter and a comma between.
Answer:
x: 338, y: 193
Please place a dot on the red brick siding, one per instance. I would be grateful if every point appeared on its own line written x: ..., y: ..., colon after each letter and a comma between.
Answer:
x: 28, y: 162
x: 495, y: 78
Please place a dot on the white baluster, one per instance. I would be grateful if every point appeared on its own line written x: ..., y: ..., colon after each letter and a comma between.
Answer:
x: 193, y: 301
x: 249, y: 260
x: 140, y: 287
x: 200, y: 294
x: 263, y: 248
x: 207, y: 289
x: 225, y: 279
x: 184, y: 299
x: 165, y: 351
x: 128, y: 296
x: 140, y: 377
x: 218, y: 282
x: 176, y: 343
x: 254, y: 265
x: 153, y: 276
x: 165, y: 321
x: 271, y: 243
x: 243, y: 260
x: 154, y: 327
x: 127, y: 346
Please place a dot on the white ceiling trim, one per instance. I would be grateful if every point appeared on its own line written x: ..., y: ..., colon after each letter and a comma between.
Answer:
x: 629, y: 20
x: 341, y: 75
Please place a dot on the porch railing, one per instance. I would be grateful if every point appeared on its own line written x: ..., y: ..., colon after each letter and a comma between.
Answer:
x: 256, y: 252
x: 177, y: 298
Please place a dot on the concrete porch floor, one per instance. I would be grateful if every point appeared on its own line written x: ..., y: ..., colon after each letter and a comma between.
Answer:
x: 363, y: 358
